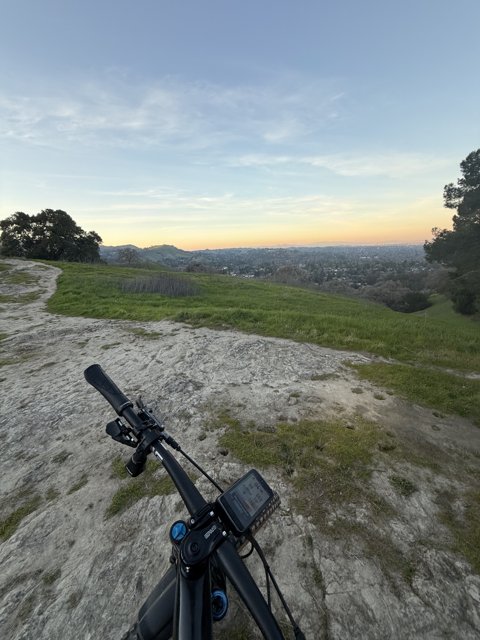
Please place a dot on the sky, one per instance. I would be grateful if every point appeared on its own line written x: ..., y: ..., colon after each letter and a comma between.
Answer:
x: 221, y: 123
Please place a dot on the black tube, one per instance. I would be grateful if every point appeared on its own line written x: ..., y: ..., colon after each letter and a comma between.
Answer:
x: 246, y: 587
x: 136, y: 465
x: 155, y: 618
x: 191, y: 496
x: 193, y: 607
x: 97, y: 377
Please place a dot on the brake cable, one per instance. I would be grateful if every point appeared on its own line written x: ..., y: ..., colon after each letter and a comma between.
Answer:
x: 146, y: 414
x: 268, y: 573
x: 197, y: 466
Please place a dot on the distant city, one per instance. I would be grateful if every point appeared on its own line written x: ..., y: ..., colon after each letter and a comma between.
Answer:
x: 389, y: 274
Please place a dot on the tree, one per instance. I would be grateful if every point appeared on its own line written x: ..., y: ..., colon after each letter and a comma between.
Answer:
x: 291, y: 274
x: 16, y: 237
x: 128, y: 256
x: 49, y: 235
x: 459, y: 248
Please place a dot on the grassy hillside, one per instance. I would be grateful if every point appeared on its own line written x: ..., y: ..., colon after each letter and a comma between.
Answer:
x: 424, y: 345
x: 442, y: 309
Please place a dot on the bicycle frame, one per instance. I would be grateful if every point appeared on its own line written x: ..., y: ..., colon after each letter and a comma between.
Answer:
x: 181, y: 602
x: 192, y: 619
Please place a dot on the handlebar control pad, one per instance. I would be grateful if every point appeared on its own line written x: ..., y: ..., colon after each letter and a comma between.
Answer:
x: 247, y: 503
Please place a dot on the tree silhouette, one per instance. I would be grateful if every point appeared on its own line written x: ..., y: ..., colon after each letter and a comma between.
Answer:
x: 459, y: 248
x: 49, y: 235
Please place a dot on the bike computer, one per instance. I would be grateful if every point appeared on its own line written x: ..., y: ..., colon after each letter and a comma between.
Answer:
x: 246, y: 501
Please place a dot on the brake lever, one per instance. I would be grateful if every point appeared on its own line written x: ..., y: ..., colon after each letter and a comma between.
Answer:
x: 119, y: 432
x: 146, y: 414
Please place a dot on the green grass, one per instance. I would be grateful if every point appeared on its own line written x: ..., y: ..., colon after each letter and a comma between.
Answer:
x: 12, y: 277
x: 466, y: 528
x: 52, y: 494
x: 143, y: 333
x: 118, y: 468
x: 50, y: 577
x: 402, y: 485
x: 23, y: 298
x: 147, y: 484
x: 327, y: 463
x: 442, y: 391
x: 79, y: 484
x: 442, y: 309
x: 330, y: 465
x: 9, y: 525
x: 271, y: 309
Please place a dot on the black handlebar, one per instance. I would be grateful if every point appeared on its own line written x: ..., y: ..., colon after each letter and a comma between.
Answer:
x: 97, y: 377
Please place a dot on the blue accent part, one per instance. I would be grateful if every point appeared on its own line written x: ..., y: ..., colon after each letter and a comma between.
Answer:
x: 219, y: 604
x: 178, y: 531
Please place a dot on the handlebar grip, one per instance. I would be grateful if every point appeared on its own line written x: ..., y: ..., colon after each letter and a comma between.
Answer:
x: 97, y: 377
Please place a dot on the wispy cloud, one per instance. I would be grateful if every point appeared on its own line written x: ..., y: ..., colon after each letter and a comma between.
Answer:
x: 183, y: 207
x: 167, y: 112
x: 91, y: 118
x: 388, y: 164
x: 394, y: 165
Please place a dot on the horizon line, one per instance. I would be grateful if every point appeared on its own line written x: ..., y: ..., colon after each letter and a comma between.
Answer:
x: 275, y: 246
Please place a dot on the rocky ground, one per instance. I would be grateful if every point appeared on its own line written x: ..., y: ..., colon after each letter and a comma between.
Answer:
x: 69, y: 572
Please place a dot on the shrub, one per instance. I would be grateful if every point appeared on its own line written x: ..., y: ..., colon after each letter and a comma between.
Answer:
x: 414, y: 301
x: 464, y: 301
x: 164, y: 284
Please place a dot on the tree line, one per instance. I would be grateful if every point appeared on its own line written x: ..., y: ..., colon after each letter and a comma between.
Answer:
x: 48, y: 235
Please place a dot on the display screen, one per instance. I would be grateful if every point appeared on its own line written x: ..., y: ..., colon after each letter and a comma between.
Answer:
x: 245, y: 499
x: 248, y: 497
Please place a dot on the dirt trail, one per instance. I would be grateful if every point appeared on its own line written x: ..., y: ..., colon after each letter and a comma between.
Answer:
x: 67, y: 572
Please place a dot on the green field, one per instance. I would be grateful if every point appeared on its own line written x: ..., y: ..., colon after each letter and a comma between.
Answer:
x: 273, y: 310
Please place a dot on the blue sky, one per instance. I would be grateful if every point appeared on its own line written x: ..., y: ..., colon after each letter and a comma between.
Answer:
x: 214, y: 123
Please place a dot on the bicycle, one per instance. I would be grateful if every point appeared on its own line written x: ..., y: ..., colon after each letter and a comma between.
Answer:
x: 192, y: 594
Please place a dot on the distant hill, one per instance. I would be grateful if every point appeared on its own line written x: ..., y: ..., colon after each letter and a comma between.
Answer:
x: 169, y: 254
x: 165, y: 254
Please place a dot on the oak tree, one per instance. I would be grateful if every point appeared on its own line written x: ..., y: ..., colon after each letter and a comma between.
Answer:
x: 48, y: 235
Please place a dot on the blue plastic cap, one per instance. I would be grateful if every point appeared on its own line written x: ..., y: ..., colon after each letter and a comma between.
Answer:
x: 178, y: 531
